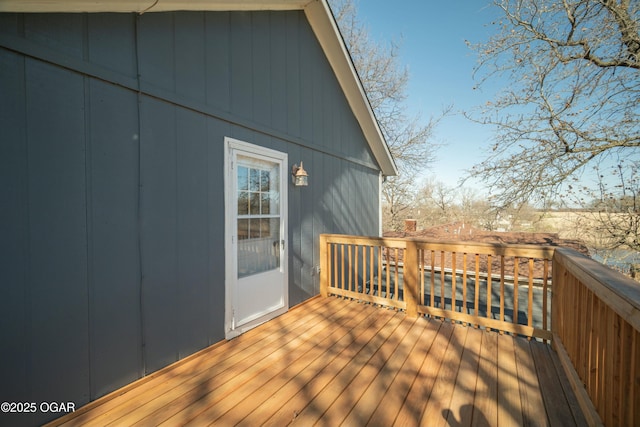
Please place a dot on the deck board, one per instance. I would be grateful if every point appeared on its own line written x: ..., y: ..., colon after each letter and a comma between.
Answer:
x: 459, y: 411
x: 334, y: 391
x: 331, y: 362
x: 510, y: 405
x: 437, y: 409
x: 289, y: 380
x: 410, y: 413
x: 378, y: 390
x: 533, y: 410
x: 394, y: 399
x: 486, y: 406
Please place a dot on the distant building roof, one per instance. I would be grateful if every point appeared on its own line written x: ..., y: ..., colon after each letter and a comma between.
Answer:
x: 464, y: 232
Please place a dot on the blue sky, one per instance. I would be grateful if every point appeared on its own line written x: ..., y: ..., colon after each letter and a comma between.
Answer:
x: 432, y: 45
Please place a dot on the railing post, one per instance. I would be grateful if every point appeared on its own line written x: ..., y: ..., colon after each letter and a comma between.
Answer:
x: 324, y: 267
x: 557, y: 286
x: 411, y: 268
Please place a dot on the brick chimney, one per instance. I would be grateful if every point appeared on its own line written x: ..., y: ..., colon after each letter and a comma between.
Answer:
x: 410, y: 225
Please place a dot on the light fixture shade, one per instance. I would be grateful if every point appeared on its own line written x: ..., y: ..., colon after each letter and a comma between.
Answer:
x: 299, y: 176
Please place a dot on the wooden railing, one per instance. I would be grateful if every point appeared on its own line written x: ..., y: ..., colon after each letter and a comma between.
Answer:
x: 596, y: 331
x: 363, y: 268
x: 503, y: 287
x: 592, y: 318
x: 498, y: 286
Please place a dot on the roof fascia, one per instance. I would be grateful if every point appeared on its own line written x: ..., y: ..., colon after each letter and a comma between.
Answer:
x: 317, y: 12
x: 326, y: 29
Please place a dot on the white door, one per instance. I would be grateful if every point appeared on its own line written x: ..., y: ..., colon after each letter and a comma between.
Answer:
x: 256, y: 230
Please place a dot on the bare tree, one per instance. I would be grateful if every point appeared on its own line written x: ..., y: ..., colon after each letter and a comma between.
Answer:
x: 410, y: 139
x: 572, y: 97
x: 615, y: 209
x: 398, y: 204
x: 435, y: 203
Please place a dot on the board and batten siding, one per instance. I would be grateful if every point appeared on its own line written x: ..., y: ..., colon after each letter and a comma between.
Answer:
x: 112, y: 132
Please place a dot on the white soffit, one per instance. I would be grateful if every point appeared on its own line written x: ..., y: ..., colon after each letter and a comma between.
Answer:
x: 141, y: 6
x: 320, y: 18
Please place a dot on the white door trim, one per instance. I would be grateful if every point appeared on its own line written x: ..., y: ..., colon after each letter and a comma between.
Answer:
x: 232, y: 145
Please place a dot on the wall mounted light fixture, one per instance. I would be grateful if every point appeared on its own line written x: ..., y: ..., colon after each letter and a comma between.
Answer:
x: 299, y: 176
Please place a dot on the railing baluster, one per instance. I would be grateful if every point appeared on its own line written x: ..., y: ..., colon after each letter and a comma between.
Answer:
x: 453, y: 281
x: 442, y: 281
x: 634, y: 372
x: 597, y: 357
x: 625, y: 362
x: 489, y: 290
x: 464, y: 283
x: 545, y: 294
x: 350, y: 267
x: 356, y: 268
x: 433, y: 279
x: 335, y: 267
x: 387, y: 270
x: 476, y: 295
x: 530, y: 295
x: 342, y: 267
x: 380, y: 249
x: 502, y: 288
x: 422, y: 272
x: 397, y: 276
x: 371, y: 264
x: 365, y: 269
x: 530, y: 302
x: 516, y: 282
x: 593, y: 372
x: 584, y: 363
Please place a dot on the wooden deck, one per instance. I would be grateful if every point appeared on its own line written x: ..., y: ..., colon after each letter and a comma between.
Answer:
x: 334, y: 362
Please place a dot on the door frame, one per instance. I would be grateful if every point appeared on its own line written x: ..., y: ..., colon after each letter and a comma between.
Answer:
x: 230, y: 211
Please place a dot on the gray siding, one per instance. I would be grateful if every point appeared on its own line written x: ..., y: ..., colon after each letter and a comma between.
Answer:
x: 113, y: 244
x: 111, y: 171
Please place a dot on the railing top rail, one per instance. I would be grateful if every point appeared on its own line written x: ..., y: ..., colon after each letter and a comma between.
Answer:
x: 621, y: 293
x: 507, y: 249
x: 394, y: 242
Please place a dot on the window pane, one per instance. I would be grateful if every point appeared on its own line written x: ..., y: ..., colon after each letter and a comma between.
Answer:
x: 254, y: 176
x: 264, y: 185
x: 265, y: 227
x: 243, y: 203
x: 243, y: 178
x: 274, y: 207
x: 243, y: 229
x: 257, y: 255
x: 265, y: 204
x: 254, y: 208
x: 254, y: 228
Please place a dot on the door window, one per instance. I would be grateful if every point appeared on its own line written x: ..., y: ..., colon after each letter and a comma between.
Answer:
x: 258, y: 220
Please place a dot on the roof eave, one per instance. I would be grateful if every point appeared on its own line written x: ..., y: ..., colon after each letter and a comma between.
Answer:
x: 326, y: 29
